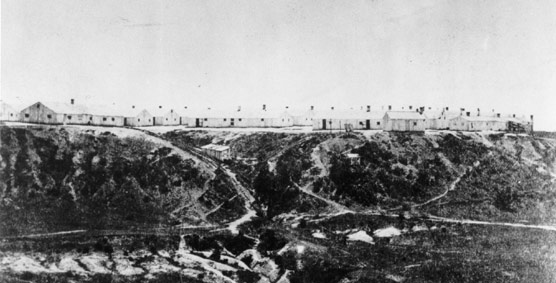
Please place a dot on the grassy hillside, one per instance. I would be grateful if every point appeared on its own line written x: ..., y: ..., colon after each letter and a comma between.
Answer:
x: 52, y: 180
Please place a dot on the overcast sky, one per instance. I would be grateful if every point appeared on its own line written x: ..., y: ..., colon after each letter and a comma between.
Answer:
x: 460, y: 53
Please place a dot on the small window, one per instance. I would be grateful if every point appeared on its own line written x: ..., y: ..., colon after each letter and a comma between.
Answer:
x: 166, y: 119
x: 38, y: 106
x: 11, y: 114
x: 149, y: 120
x: 262, y: 120
x: 138, y: 120
x: 90, y: 118
x: 205, y: 119
x: 69, y: 117
x: 224, y: 119
x: 80, y: 117
x: 112, y: 119
x: 282, y: 120
x: 378, y: 123
x: 239, y: 119
x: 103, y: 118
x: 49, y: 116
x: 26, y: 115
x: 414, y: 123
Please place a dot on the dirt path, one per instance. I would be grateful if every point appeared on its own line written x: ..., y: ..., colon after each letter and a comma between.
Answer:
x: 318, y: 162
x: 248, y: 200
x: 478, y: 222
x: 340, y: 209
x: 452, y: 186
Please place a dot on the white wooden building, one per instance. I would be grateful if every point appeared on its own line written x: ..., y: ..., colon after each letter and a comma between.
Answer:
x: 356, y: 119
x: 303, y: 118
x: 71, y: 114
x: 8, y: 113
x: 404, y: 121
x: 220, y: 152
x: 239, y: 118
x: 165, y: 117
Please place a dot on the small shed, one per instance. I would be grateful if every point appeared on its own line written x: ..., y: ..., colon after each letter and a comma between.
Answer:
x: 404, y: 121
x: 220, y: 152
x: 354, y: 158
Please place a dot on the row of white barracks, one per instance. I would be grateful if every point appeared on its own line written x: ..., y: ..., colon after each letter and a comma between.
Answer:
x: 364, y: 118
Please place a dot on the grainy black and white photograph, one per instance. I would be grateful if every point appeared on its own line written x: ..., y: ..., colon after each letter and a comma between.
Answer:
x: 278, y: 141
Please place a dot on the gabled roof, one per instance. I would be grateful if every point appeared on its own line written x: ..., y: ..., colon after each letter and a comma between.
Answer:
x: 404, y: 115
x: 66, y: 108
x: 215, y: 147
x: 79, y: 109
x: 352, y: 155
x: 161, y: 112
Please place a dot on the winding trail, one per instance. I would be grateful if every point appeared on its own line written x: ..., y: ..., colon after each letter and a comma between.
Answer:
x: 450, y: 188
x: 248, y: 200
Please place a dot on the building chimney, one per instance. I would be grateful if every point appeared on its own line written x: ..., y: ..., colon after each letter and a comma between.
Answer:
x: 478, y: 111
x: 132, y: 106
x: 429, y: 108
x: 497, y: 115
x: 72, y: 101
x: 239, y: 108
x: 185, y: 107
x: 389, y: 107
x: 468, y: 114
x: 264, y: 107
x: 368, y: 108
x: 513, y: 115
x: 531, y: 117
x: 287, y: 107
x: 312, y: 107
x: 159, y: 106
x: 332, y: 108
x: 447, y: 109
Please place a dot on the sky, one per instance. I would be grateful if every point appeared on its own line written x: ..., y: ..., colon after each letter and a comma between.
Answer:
x: 491, y: 54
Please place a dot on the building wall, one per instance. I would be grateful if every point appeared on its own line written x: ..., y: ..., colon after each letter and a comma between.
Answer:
x: 404, y: 125
x: 38, y: 113
x: 461, y: 124
x: 302, y: 120
x: 7, y: 113
x: 171, y: 119
x: 188, y: 121
x: 339, y: 124
x: 108, y: 120
x: 76, y: 119
x: 218, y: 154
x: 143, y: 119
x: 240, y: 122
